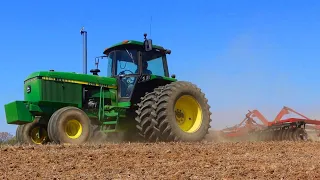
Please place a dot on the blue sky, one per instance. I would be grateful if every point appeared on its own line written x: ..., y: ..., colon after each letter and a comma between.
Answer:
x: 242, y: 54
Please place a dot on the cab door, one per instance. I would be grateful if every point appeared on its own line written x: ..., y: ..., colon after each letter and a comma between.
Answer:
x: 127, y: 72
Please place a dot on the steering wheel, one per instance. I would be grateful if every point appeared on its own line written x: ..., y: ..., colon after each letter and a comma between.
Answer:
x: 129, y: 80
x: 122, y: 72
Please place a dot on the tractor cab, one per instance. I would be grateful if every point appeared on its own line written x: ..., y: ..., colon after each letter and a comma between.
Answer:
x: 132, y: 62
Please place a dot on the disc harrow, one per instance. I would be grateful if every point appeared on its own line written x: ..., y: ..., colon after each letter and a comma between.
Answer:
x: 290, y: 129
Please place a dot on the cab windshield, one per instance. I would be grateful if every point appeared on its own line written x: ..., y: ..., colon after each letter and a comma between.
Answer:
x: 127, y: 62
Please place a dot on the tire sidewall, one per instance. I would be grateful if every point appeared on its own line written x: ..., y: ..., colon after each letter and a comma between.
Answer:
x: 25, y: 130
x: 199, y: 97
x: 69, y: 114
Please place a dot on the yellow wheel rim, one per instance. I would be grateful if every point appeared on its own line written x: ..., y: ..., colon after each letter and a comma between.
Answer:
x: 188, y: 114
x: 73, y: 129
x: 37, y: 136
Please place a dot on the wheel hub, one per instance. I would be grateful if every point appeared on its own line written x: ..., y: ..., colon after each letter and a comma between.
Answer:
x: 73, y: 129
x: 180, y: 118
x: 188, y: 114
x: 38, y: 135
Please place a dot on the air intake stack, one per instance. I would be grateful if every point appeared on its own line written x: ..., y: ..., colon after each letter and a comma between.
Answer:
x: 84, y: 34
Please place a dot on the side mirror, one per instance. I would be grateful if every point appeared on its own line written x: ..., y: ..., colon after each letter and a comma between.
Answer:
x: 147, y: 43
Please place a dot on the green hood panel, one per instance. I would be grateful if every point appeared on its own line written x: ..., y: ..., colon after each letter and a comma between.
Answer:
x: 73, y: 77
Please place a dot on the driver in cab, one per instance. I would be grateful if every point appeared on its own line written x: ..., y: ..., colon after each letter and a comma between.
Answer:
x: 125, y: 56
x: 145, y: 69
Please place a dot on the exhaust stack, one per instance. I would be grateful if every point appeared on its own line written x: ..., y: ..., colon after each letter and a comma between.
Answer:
x: 84, y: 34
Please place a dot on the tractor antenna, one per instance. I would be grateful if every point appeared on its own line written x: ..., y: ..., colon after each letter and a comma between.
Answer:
x: 150, y: 25
x: 84, y: 33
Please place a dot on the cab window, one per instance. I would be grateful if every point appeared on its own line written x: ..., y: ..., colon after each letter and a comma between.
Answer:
x: 127, y: 62
x: 153, y: 63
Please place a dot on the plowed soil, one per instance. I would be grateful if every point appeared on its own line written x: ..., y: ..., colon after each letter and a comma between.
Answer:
x: 205, y: 160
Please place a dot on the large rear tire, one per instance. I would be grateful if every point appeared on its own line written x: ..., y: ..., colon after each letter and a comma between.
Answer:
x: 70, y: 125
x: 182, y: 113
x: 32, y: 133
x: 146, y: 116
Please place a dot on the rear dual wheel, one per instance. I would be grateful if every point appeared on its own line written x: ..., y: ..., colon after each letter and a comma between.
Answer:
x: 178, y: 111
x: 70, y: 125
x: 182, y: 113
x: 146, y: 116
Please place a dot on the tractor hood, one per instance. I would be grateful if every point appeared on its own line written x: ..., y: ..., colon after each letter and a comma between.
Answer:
x: 73, y: 78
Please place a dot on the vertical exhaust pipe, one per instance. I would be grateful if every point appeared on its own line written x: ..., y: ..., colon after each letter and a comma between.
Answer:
x: 84, y: 34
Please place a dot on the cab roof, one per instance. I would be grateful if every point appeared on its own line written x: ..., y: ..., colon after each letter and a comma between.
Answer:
x: 129, y: 42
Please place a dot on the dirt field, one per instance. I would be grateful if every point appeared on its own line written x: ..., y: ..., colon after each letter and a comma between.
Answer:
x: 163, y: 161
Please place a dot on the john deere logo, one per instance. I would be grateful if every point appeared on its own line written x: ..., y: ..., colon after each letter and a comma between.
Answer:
x: 28, y: 89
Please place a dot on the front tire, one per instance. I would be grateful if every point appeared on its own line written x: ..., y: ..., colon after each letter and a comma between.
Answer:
x: 32, y: 133
x: 70, y: 125
x: 182, y: 113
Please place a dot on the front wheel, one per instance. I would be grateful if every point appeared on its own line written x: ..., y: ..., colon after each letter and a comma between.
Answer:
x: 32, y: 133
x: 182, y: 113
x: 70, y: 125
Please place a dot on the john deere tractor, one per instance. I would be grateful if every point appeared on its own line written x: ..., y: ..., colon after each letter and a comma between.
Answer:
x: 137, y: 98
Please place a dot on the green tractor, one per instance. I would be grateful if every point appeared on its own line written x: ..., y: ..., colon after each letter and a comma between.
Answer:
x: 138, y: 98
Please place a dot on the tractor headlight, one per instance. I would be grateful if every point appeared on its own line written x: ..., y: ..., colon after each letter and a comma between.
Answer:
x: 28, y: 89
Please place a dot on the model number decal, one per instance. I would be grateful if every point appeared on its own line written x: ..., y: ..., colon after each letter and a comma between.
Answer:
x: 144, y: 78
x: 77, y: 82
